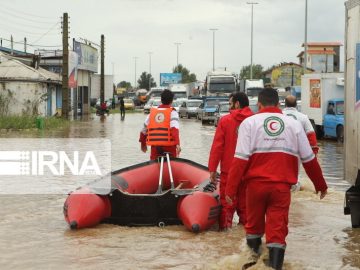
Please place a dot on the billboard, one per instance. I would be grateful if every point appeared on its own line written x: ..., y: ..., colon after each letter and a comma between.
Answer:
x: 315, y: 93
x: 73, y: 62
x: 88, y: 57
x: 168, y: 78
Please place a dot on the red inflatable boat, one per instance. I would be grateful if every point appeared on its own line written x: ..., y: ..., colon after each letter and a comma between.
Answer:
x: 163, y: 192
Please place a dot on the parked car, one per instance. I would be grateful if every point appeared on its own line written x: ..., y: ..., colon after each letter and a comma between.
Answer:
x: 188, y: 108
x: 206, y: 111
x: 129, y: 104
x: 150, y: 104
x: 176, y: 105
x: 223, y: 108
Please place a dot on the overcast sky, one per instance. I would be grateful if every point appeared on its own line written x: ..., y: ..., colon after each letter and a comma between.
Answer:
x: 136, y: 27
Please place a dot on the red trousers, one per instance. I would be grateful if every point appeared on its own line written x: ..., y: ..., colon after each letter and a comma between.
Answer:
x: 227, y: 211
x: 158, y: 151
x: 267, y: 210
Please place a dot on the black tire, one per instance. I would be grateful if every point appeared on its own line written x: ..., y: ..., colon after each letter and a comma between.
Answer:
x: 340, y: 133
x: 318, y: 130
x: 180, y: 115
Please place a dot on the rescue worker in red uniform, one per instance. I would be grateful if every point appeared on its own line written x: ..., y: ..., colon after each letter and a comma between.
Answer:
x: 161, y: 129
x: 267, y: 155
x: 222, y: 151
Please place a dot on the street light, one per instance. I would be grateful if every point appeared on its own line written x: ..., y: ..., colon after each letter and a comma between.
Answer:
x: 150, y: 53
x: 252, y: 36
x: 213, y: 30
x: 177, y: 52
x: 305, y: 38
x: 135, y: 58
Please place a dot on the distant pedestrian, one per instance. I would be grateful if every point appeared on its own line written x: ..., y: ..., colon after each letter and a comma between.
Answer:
x: 122, y: 107
x: 113, y: 103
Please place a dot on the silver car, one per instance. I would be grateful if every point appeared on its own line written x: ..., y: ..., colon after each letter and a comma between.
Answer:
x: 152, y: 103
x: 223, y: 108
x: 188, y: 108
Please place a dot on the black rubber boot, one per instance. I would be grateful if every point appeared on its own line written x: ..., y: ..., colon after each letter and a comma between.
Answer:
x: 254, y: 244
x: 276, y: 257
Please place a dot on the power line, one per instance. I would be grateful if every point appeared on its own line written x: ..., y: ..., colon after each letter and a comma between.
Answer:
x: 11, y: 28
x: 32, y: 45
x: 27, y: 14
x: 51, y: 28
x: 25, y: 19
x: 26, y: 24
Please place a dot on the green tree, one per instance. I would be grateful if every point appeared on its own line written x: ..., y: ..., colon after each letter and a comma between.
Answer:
x: 124, y: 84
x: 144, y: 79
x: 257, y: 72
x: 187, y: 77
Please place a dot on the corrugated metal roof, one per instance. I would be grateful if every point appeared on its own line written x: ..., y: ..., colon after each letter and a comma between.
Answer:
x: 15, y: 70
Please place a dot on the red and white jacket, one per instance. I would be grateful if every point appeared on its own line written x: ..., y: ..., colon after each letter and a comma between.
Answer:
x: 224, y: 143
x: 268, y: 148
x: 306, y: 124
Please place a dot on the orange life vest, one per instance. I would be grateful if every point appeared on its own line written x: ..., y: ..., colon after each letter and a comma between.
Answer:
x: 158, y: 129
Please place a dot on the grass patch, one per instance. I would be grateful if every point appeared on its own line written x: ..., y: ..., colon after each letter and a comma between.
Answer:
x: 29, y: 122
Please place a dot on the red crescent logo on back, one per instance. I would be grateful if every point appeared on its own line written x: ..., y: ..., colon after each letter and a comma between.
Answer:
x: 271, y: 125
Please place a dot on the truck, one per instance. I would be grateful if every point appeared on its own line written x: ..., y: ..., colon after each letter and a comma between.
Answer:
x: 207, y: 109
x: 322, y: 100
x: 352, y: 111
x: 180, y: 90
x: 253, y: 87
x: 155, y: 92
x: 220, y: 83
x: 140, y: 97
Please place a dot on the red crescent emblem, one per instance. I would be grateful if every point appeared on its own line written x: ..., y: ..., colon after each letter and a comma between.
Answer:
x: 271, y: 125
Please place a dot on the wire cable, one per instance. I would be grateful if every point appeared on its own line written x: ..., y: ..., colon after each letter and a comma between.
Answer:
x: 32, y: 45
x: 25, y: 19
x: 51, y: 28
x: 12, y: 28
x: 26, y: 14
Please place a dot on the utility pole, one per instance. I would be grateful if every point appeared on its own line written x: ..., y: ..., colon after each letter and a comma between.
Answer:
x: 252, y: 36
x: 305, y: 38
x: 150, y: 53
x: 25, y: 44
x: 177, y: 52
x: 12, y: 45
x: 65, y: 70
x: 135, y: 84
x: 102, y: 75
x: 213, y: 29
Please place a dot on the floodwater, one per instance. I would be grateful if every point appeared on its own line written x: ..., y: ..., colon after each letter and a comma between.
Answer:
x: 34, y: 234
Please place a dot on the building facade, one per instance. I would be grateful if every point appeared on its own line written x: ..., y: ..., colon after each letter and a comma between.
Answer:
x: 285, y: 74
x: 322, y: 57
x: 28, y: 91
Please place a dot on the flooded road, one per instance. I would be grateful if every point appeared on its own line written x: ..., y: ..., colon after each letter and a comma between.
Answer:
x: 34, y: 234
